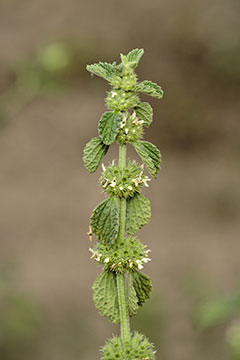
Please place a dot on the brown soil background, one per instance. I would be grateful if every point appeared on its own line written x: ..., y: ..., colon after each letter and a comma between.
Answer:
x: 47, y: 196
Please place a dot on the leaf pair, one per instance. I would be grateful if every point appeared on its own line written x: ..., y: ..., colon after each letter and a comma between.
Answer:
x: 107, y: 71
x: 104, y: 219
x: 96, y: 149
x: 105, y: 293
x: 132, y: 58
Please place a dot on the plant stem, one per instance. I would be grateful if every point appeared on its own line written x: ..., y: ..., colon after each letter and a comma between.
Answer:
x: 123, y: 308
x: 121, y: 278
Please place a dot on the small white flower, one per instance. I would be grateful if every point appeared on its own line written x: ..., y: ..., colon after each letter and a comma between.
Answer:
x: 113, y: 162
x: 130, y: 187
x: 105, y: 182
x: 145, y: 181
x: 126, y: 131
x: 120, y: 264
x: 107, y: 260
x: 93, y: 253
x: 148, y: 251
x: 103, y: 167
x: 122, y: 124
x: 114, y: 93
x: 139, y: 264
x: 113, y: 182
x: 136, y: 181
x: 121, y: 187
x: 137, y: 121
x: 98, y: 257
x: 113, y: 266
x: 146, y: 260
x: 134, y: 115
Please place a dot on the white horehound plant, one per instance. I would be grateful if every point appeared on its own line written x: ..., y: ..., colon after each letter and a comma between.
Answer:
x: 121, y: 287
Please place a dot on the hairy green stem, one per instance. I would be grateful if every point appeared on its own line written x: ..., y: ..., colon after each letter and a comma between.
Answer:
x: 123, y: 308
x: 121, y: 278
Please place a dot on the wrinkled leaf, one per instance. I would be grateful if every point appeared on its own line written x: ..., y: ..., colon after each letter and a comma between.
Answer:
x: 103, y: 69
x: 142, y: 285
x: 108, y: 126
x: 105, y: 296
x: 150, y: 156
x: 93, y: 154
x: 104, y: 220
x: 145, y: 112
x: 137, y: 214
x: 135, y: 56
x: 150, y: 88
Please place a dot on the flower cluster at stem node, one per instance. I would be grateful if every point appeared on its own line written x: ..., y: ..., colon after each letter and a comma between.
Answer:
x: 131, y: 129
x: 123, y: 183
x: 130, y: 254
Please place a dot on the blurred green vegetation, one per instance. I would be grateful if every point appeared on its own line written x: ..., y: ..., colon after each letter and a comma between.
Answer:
x: 20, y: 318
x: 215, y: 318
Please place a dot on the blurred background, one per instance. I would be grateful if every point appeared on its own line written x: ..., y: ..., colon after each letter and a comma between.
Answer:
x: 49, y: 109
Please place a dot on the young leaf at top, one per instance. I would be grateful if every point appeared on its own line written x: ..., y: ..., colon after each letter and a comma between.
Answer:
x: 138, y: 213
x: 142, y: 285
x: 132, y: 296
x: 104, y: 220
x: 103, y: 69
x: 135, y: 56
x: 93, y: 154
x: 145, y: 112
x: 150, y: 155
x: 150, y: 88
x: 108, y: 126
x: 105, y: 296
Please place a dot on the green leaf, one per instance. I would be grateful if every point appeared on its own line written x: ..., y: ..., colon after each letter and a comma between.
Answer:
x: 108, y: 126
x: 104, y: 220
x: 93, y: 154
x: 138, y: 213
x: 132, y: 296
x: 135, y: 56
x: 105, y: 296
x: 142, y: 285
x: 150, y: 88
x: 103, y: 69
x: 145, y: 112
x: 150, y: 155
